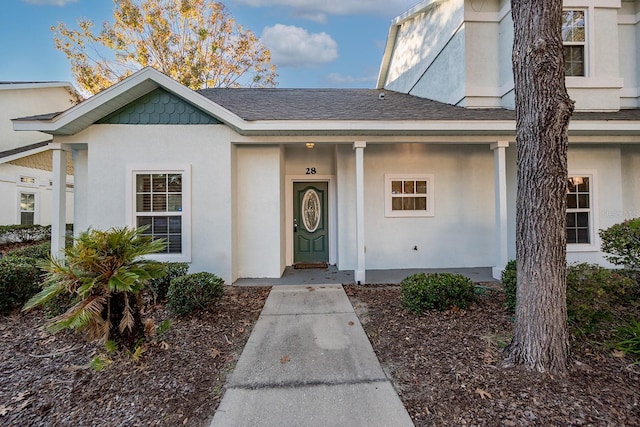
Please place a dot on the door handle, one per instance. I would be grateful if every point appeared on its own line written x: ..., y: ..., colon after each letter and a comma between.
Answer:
x: 295, y: 225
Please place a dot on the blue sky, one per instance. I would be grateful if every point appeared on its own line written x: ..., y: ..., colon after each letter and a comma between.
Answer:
x: 339, y: 43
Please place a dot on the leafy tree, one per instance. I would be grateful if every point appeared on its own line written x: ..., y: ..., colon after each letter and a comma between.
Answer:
x: 543, y: 112
x: 105, y: 273
x: 196, y: 42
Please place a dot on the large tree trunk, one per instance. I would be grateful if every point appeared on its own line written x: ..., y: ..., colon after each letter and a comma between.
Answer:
x: 543, y: 111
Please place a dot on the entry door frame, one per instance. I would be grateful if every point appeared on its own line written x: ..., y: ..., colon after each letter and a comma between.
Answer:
x: 331, y: 209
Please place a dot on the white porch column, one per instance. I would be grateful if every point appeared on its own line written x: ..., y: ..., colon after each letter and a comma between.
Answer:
x: 359, y: 273
x: 500, y: 177
x: 59, y: 203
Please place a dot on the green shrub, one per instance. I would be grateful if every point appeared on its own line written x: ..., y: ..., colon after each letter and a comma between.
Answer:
x: 105, y: 272
x: 594, y: 294
x: 628, y: 339
x: 20, y: 279
x: 622, y: 243
x: 24, y: 233
x: 39, y: 251
x: 198, y: 291
x: 440, y: 291
x: 160, y: 286
x: 509, y: 282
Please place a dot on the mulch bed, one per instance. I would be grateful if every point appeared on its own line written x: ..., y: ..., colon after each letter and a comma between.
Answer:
x: 447, y: 369
x: 45, y: 380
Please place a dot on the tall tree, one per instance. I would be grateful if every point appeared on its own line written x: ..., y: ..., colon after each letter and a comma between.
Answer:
x: 196, y: 42
x: 543, y: 112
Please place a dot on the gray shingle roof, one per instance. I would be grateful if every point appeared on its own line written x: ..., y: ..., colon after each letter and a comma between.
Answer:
x: 23, y: 149
x: 341, y: 104
x: 362, y: 104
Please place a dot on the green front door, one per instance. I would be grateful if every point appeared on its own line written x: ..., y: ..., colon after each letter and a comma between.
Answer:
x: 310, y: 222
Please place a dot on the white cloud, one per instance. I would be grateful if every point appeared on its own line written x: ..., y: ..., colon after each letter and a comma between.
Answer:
x: 343, y: 80
x: 292, y: 46
x: 318, y: 10
x: 50, y: 2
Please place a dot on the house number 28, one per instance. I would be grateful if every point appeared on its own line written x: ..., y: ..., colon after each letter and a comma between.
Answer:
x: 311, y: 171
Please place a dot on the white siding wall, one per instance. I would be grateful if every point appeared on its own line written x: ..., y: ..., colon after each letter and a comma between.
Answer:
x: 628, y: 52
x: 420, y: 41
x: 260, y: 211
x: 464, y: 222
x: 630, y: 155
x: 10, y: 189
x: 17, y: 103
x: 444, y: 79
x: 113, y: 148
x: 465, y: 57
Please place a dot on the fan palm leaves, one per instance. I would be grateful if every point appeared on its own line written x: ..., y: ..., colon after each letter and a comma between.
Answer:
x: 104, y: 271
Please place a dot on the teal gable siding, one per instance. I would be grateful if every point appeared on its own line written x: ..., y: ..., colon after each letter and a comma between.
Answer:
x: 159, y: 107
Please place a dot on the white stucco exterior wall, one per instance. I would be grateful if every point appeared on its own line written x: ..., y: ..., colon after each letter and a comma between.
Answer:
x: 112, y: 149
x: 11, y: 187
x: 259, y: 211
x: 419, y: 42
x: 630, y: 155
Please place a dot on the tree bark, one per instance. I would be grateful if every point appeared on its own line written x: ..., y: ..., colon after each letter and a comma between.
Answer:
x: 543, y: 111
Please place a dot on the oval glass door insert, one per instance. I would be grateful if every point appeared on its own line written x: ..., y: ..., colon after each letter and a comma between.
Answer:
x: 311, y: 210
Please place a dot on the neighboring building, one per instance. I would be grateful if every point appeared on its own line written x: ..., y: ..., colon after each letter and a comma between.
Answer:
x: 244, y: 182
x: 25, y: 159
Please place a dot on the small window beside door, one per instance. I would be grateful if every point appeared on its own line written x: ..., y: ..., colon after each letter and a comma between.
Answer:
x: 409, y: 195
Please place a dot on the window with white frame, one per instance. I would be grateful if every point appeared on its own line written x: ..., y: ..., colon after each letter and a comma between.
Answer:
x: 580, y: 210
x: 27, y: 180
x: 574, y: 41
x: 160, y: 203
x: 27, y: 208
x: 408, y: 195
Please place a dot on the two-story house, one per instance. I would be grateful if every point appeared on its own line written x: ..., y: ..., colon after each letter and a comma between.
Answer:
x: 25, y: 161
x: 418, y: 173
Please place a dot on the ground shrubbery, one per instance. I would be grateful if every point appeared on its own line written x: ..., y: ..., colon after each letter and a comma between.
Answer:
x: 104, y: 273
x: 603, y: 305
x: 160, y: 285
x: 509, y: 281
x: 621, y: 243
x: 39, y: 251
x: 20, y: 279
x: 441, y: 291
x: 192, y: 292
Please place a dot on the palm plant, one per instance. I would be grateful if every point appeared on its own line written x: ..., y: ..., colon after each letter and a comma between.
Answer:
x: 105, y: 272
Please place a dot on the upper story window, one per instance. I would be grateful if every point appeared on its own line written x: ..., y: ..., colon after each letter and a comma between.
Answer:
x: 408, y: 195
x: 574, y: 40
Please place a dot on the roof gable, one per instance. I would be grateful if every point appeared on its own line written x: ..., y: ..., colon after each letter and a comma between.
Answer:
x: 159, y: 107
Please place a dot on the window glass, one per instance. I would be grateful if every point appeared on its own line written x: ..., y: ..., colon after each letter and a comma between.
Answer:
x: 574, y: 39
x: 159, y: 207
x: 27, y: 208
x: 408, y: 195
x: 578, y: 210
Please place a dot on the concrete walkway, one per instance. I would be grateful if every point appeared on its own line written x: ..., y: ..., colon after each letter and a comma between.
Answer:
x: 331, y: 275
x: 308, y: 362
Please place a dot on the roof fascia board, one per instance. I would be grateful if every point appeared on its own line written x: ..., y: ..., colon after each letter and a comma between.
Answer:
x: 120, y: 89
x: 17, y: 156
x: 35, y: 85
x: 444, y: 126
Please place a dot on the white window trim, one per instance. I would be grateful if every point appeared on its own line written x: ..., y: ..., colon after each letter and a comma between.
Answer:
x: 185, y: 170
x: 390, y: 213
x: 27, y: 184
x: 588, y: 36
x: 594, y: 220
x: 36, y: 207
